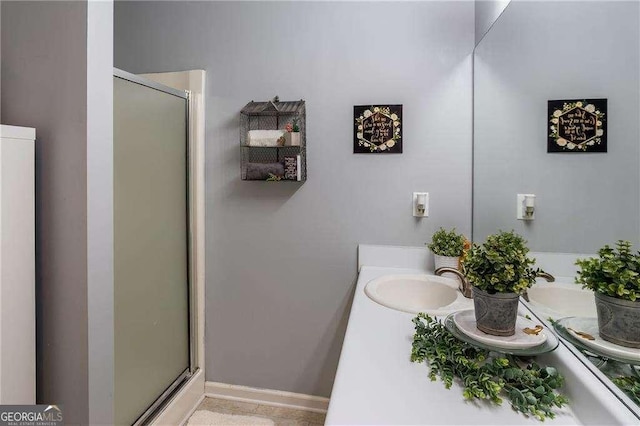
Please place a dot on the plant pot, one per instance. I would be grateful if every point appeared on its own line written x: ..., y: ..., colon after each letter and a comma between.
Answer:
x: 292, y: 139
x: 448, y: 262
x: 496, y: 314
x: 618, y: 320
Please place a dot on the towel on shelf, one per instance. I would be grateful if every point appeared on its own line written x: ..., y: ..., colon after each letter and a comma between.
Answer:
x: 263, y: 171
x: 264, y: 137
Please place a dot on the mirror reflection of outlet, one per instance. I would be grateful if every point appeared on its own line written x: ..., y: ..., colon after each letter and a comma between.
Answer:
x: 520, y: 209
x: 420, y: 204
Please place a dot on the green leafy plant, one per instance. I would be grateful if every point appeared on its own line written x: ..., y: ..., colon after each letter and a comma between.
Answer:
x: 530, y: 388
x: 447, y: 243
x: 629, y: 385
x: 274, y: 178
x: 615, y: 272
x: 501, y: 265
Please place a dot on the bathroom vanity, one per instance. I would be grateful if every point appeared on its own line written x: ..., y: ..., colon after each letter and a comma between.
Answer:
x: 566, y: 191
x: 17, y: 265
x: 376, y: 383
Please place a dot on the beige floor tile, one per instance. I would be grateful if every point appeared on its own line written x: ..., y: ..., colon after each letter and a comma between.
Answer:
x: 290, y: 414
x: 234, y: 407
x: 317, y: 419
x: 242, y: 413
x: 281, y: 416
x: 289, y: 422
x: 221, y: 411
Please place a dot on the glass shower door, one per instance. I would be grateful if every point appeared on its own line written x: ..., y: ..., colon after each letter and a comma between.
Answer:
x: 151, y: 259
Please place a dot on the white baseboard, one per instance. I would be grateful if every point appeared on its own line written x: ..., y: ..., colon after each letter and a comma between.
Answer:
x: 270, y: 397
x: 183, y: 404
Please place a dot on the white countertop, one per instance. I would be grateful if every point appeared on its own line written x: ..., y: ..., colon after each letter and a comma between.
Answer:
x: 376, y: 383
x: 16, y: 132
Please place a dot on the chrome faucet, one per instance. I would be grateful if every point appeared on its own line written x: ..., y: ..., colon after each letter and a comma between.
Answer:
x: 465, y: 285
x: 540, y: 274
x: 547, y: 276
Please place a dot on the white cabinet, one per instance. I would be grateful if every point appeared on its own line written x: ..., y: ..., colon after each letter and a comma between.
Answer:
x: 17, y: 266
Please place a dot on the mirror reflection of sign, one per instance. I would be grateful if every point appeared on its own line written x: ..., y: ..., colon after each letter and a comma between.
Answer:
x: 577, y: 125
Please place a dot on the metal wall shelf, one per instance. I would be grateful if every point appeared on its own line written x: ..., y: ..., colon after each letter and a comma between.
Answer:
x: 271, y: 147
x: 272, y: 115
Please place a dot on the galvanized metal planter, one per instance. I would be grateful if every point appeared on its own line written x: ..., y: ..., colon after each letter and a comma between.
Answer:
x: 496, y: 314
x: 618, y: 320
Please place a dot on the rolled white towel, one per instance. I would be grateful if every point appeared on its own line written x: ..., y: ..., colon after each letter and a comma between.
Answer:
x: 264, y: 137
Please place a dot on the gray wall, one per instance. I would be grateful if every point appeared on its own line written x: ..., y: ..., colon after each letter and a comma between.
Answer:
x: 0, y: 56
x: 281, y: 258
x: 50, y: 82
x: 100, y: 234
x: 44, y: 71
x: 487, y: 12
x: 540, y: 51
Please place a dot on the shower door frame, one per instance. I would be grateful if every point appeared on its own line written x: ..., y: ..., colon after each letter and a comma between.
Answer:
x: 155, y: 408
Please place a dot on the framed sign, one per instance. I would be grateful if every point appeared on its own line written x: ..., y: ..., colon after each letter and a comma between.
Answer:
x: 577, y: 125
x: 377, y: 129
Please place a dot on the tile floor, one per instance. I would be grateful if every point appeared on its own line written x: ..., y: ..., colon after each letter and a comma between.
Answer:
x: 280, y: 416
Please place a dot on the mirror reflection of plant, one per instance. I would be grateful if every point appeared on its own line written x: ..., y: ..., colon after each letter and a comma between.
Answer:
x: 447, y: 243
x: 485, y: 375
x: 629, y: 385
x: 615, y: 272
x: 501, y: 264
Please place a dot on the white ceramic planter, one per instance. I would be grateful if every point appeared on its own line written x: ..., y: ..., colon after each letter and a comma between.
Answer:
x: 292, y: 138
x: 446, y: 261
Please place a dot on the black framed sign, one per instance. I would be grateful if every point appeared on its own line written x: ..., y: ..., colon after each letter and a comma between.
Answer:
x: 377, y: 129
x: 577, y: 125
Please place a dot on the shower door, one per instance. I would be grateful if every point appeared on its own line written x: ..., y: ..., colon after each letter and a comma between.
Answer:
x: 151, y: 240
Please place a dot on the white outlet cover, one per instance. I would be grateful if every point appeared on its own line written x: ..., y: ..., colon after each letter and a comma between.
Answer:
x: 520, y: 207
x: 414, y: 200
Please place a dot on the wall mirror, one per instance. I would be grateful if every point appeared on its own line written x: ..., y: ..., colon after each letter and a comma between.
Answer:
x: 575, y: 54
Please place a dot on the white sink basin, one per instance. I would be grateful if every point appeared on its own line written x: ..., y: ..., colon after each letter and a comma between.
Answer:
x: 557, y: 300
x: 430, y: 294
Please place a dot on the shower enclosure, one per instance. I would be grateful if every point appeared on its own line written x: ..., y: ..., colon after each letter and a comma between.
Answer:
x: 152, y: 315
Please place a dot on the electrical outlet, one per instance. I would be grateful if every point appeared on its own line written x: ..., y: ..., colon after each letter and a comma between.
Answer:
x: 420, y: 204
x: 520, y: 208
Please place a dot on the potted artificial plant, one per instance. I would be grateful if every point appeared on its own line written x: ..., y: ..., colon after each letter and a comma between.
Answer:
x: 614, y: 276
x: 447, y: 248
x: 292, y: 134
x: 499, y: 271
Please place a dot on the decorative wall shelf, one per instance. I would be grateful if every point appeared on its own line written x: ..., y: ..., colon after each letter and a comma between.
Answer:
x: 270, y: 147
x: 270, y: 150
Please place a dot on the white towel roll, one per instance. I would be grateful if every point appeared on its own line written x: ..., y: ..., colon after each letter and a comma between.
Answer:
x: 264, y: 137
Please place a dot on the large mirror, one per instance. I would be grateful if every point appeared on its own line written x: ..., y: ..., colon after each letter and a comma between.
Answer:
x: 557, y: 143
